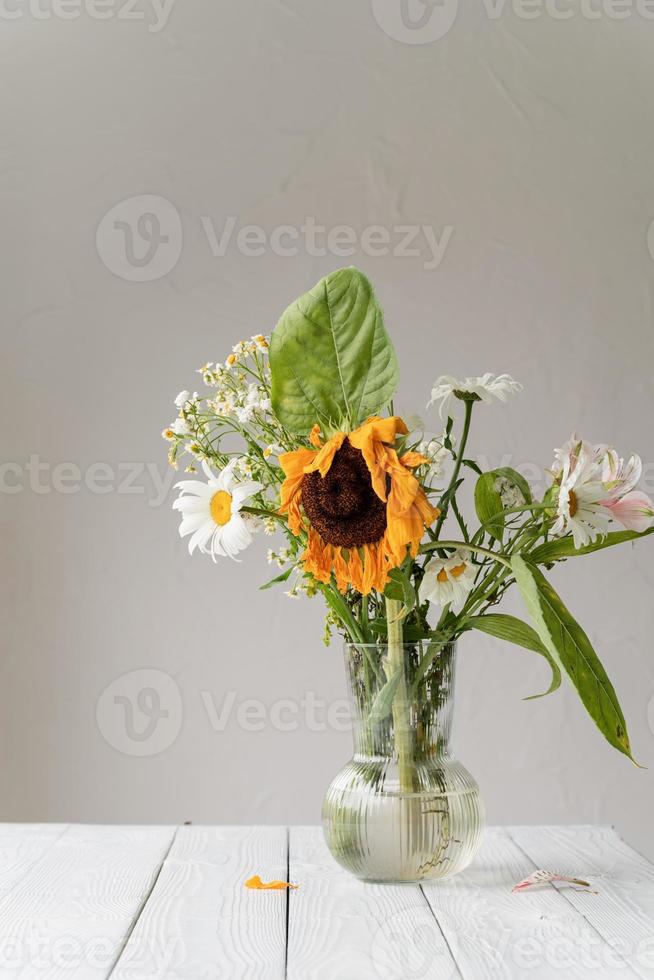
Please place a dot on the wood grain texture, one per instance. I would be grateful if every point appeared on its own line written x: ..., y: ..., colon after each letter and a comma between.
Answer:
x: 343, y: 929
x: 622, y: 911
x: 200, y: 921
x: 494, y: 933
x: 68, y: 914
x: 21, y: 846
x: 152, y: 903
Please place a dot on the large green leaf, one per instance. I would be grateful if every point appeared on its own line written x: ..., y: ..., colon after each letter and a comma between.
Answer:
x: 565, y: 547
x: 513, y: 630
x: 569, y: 646
x: 331, y: 359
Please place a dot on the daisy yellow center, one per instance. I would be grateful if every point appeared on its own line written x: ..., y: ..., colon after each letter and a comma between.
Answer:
x: 221, y: 507
x: 455, y: 572
x: 573, y: 503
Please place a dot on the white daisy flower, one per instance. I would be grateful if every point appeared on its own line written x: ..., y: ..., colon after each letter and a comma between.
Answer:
x: 211, y: 512
x: 182, y: 399
x: 578, y: 466
x: 483, y: 389
x: 448, y: 579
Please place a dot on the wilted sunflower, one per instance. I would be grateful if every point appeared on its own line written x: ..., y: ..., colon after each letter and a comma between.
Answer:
x: 363, y: 505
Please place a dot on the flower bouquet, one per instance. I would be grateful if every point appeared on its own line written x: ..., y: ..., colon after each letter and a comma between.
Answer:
x: 297, y: 437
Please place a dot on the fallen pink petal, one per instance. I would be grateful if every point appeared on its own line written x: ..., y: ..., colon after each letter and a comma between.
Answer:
x: 542, y: 877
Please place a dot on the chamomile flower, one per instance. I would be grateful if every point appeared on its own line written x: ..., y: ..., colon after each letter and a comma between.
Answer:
x: 447, y: 388
x: 448, y: 580
x: 211, y: 512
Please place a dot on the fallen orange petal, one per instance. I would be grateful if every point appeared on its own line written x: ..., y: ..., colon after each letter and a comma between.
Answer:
x: 256, y: 882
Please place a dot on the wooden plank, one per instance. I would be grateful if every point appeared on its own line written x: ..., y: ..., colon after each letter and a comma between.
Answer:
x: 21, y: 846
x: 622, y: 911
x: 68, y: 914
x: 495, y: 934
x: 340, y: 928
x: 200, y: 921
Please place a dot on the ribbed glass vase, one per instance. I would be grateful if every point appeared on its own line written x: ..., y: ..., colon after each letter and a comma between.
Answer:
x: 402, y: 809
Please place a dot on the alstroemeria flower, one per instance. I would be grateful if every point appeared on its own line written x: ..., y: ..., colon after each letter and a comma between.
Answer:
x: 581, y: 492
x: 631, y: 508
x: 362, y: 504
x: 595, y: 487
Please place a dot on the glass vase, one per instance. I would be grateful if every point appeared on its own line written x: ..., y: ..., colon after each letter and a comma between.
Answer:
x: 402, y: 809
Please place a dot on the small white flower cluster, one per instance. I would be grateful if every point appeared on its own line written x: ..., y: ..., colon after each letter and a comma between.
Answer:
x: 510, y: 494
x: 279, y: 558
x: 213, y: 373
x: 436, y: 453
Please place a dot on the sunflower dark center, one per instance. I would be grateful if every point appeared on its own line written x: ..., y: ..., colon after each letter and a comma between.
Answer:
x: 342, y: 506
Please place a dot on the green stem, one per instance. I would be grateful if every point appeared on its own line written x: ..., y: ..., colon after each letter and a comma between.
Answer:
x: 401, y: 709
x: 457, y: 466
x: 477, y: 549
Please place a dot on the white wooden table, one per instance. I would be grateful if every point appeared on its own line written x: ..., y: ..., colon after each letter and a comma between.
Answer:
x: 152, y: 902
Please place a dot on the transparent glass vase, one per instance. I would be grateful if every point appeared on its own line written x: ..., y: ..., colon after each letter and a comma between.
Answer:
x: 402, y: 809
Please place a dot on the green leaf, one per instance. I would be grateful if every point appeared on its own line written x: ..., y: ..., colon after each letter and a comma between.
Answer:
x: 381, y: 706
x: 330, y: 356
x: 513, y: 630
x: 399, y: 586
x: 278, y: 578
x: 488, y: 505
x: 565, y: 548
x: 571, y: 649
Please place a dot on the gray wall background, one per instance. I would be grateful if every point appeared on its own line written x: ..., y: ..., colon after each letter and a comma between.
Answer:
x: 528, y: 137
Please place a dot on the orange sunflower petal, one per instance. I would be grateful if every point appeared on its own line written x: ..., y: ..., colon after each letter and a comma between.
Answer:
x: 413, y: 459
x: 314, y: 437
x: 325, y: 457
x: 293, y: 464
x: 369, y: 439
x: 256, y: 882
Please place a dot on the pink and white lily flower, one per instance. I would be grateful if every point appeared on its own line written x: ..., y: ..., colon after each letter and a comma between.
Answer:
x: 581, y: 493
x: 595, y: 487
x: 630, y: 507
